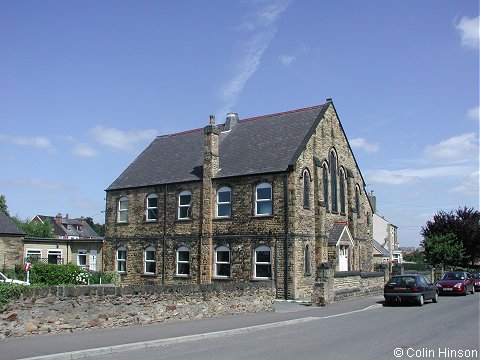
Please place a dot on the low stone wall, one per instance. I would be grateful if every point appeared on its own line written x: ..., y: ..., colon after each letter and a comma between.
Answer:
x: 351, y: 284
x: 333, y: 286
x: 75, y: 308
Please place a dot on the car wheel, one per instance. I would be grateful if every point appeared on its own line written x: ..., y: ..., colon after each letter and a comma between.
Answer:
x: 421, y: 300
x: 435, y: 298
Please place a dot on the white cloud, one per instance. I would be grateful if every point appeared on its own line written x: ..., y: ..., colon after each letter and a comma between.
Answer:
x: 37, y: 141
x: 119, y: 139
x: 82, y: 149
x: 455, y: 149
x: 469, y: 31
x: 251, y: 51
x: 361, y: 143
x: 474, y: 113
x: 387, y: 177
x: 469, y: 186
x: 33, y: 183
x: 287, y: 59
x: 410, y: 176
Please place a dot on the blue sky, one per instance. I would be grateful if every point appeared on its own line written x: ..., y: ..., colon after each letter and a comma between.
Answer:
x: 85, y: 86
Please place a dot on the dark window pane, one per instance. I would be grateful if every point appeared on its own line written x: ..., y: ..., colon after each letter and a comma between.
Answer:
x: 150, y: 267
x: 183, y: 255
x: 223, y: 256
x: 224, y: 210
x: 121, y: 266
x: 185, y: 199
x: 183, y: 269
x: 224, y: 196
x: 150, y: 255
x: 263, y: 256
x: 184, y: 212
x: 263, y: 271
x: 152, y: 214
x: 152, y: 202
x: 223, y: 269
x: 264, y: 208
x: 122, y: 254
x: 264, y: 193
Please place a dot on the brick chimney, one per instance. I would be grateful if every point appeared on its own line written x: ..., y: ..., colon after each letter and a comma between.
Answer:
x: 58, y: 219
x: 210, y: 168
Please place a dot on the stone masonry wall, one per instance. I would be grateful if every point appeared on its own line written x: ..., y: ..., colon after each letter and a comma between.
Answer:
x: 357, y: 284
x: 10, y: 251
x: 70, y: 309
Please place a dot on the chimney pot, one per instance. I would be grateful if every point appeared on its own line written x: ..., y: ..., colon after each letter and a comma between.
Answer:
x: 212, y: 119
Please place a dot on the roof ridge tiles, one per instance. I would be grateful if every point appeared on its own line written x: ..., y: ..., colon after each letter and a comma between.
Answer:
x: 246, y: 120
x: 282, y: 113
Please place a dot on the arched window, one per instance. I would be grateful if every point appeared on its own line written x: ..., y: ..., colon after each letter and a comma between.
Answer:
x: 306, y: 189
x: 342, y: 191
x: 183, y: 261
x: 333, y: 180
x: 222, y: 262
x: 263, y: 199
x: 325, y: 185
x: 152, y: 208
x: 122, y: 215
x: 224, y: 202
x: 357, y: 200
x: 150, y: 260
x: 307, y: 260
x: 262, y: 261
x: 184, y: 205
x: 122, y: 259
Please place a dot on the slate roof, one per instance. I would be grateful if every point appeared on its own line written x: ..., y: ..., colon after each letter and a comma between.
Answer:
x: 335, y: 233
x: 65, y: 230
x: 381, y: 249
x: 8, y: 227
x: 264, y: 144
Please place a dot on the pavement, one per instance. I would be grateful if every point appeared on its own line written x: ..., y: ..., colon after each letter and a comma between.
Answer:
x: 86, y: 344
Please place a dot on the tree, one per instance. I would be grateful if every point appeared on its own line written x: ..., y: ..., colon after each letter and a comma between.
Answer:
x: 416, y: 256
x: 443, y: 250
x: 464, y: 224
x: 98, y: 228
x: 35, y: 229
x: 3, y: 205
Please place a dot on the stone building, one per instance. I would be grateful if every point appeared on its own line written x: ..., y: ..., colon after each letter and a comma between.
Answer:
x: 265, y: 198
x: 11, y: 245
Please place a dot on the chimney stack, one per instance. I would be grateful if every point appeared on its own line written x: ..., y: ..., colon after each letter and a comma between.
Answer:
x: 58, y: 219
x: 212, y: 119
x: 231, y: 121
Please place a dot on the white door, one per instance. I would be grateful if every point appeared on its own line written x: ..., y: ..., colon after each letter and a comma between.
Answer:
x: 93, y: 260
x: 343, y: 258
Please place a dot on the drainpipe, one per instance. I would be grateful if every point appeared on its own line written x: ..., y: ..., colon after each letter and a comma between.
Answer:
x: 285, y: 244
x: 164, y: 232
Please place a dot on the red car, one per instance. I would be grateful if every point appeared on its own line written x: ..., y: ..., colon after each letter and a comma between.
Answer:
x: 455, y: 282
x: 476, y: 281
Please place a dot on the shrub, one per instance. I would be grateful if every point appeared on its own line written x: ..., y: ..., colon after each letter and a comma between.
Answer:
x: 52, y: 274
x: 107, y: 277
x: 7, y: 293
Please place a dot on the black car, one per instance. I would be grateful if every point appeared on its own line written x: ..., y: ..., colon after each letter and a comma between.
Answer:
x: 414, y: 288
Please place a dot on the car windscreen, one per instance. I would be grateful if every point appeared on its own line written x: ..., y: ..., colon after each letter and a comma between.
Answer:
x: 401, y: 281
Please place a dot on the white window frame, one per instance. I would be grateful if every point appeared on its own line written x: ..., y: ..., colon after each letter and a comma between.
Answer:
x: 218, y: 263
x: 187, y: 206
x: 148, y: 207
x: 30, y: 251
x: 150, y: 261
x: 121, y: 260
x: 180, y: 262
x: 82, y: 253
x: 221, y: 190
x: 122, y: 210
x: 257, y: 200
x: 55, y: 251
x: 261, y: 263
